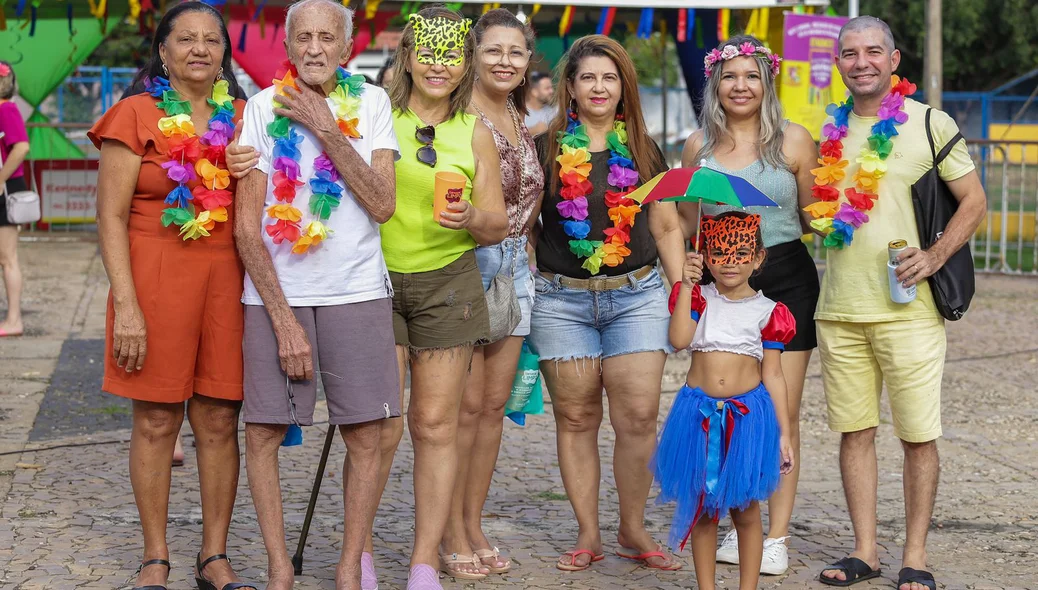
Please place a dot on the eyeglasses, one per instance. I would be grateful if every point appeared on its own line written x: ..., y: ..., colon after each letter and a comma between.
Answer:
x: 493, y: 55
x: 427, y: 153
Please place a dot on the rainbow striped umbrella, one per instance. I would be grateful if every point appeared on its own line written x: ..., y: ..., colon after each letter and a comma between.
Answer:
x: 700, y: 184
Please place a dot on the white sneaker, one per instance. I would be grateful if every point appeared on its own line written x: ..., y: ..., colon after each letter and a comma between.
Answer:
x: 775, y: 560
x: 728, y: 552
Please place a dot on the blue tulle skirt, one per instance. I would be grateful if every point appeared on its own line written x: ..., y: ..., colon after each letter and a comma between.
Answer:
x: 715, y: 455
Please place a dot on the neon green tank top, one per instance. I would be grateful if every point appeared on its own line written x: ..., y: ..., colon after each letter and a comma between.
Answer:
x: 412, y: 241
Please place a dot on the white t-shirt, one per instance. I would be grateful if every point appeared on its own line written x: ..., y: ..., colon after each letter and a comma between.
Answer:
x: 542, y: 115
x: 348, y: 266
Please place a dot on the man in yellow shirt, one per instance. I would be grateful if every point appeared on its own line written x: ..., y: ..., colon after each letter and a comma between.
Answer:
x: 864, y: 338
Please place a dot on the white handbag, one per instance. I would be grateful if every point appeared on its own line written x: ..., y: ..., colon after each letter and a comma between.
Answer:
x: 22, y: 206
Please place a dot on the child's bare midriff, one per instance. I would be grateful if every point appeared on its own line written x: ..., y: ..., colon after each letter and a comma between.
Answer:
x: 723, y: 374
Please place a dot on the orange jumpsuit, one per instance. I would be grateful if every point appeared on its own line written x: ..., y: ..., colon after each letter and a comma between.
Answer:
x: 189, y: 291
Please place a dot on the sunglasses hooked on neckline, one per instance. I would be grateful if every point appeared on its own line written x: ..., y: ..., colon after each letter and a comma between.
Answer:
x: 427, y: 153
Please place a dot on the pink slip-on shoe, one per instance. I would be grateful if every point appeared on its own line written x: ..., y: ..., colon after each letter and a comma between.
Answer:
x: 423, y: 577
x: 368, y: 580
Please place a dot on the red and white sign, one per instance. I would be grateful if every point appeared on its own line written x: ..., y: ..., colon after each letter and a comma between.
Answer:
x: 67, y: 189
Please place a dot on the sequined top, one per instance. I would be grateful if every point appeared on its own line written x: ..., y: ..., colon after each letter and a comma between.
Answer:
x: 516, y: 167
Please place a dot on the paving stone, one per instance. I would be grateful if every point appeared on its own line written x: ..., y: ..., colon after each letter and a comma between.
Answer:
x: 73, y: 522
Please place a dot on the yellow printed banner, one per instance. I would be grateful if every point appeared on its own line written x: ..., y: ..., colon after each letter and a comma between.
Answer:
x: 810, y: 80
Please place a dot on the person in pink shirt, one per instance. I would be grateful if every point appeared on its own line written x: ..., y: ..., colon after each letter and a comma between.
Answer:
x: 14, y: 147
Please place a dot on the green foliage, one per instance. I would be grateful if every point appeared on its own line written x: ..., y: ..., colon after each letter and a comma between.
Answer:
x: 645, y: 53
x: 985, y: 42
x: 124, y: 48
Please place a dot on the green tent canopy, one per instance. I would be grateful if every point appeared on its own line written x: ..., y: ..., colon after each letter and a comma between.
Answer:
x: 49, y: 143
x: 44, y: 60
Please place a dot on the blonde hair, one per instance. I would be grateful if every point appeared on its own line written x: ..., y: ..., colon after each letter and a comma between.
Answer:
x: 713, y: 119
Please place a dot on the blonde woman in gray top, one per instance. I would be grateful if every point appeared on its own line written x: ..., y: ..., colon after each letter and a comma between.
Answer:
x: 743, y: 132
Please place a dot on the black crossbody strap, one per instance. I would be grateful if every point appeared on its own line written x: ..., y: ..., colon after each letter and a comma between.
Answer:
x: 938, y: 158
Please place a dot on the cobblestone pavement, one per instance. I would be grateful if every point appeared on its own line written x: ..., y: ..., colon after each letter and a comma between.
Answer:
x: 67, y: 518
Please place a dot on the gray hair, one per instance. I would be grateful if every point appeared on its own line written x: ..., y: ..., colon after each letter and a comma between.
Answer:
x: 860, y: 24
x: 344, y: 12
x: 713, y: 119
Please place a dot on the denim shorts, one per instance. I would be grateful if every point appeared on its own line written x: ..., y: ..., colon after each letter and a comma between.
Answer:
x: 499, y: 258
x: 576, y: 323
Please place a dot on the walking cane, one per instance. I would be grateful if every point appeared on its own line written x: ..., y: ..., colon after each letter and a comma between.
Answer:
x: 297, y: 559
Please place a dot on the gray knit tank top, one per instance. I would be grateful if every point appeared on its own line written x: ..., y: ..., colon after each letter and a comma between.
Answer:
x: 778, y: 224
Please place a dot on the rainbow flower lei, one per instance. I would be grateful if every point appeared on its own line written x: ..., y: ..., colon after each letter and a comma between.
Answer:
x: 838, y: 220
x: 325, y: 190
x: 575, y: 161
x: 196, y: 212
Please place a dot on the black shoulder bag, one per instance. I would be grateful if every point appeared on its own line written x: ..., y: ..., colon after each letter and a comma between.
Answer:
x: 953, y: 285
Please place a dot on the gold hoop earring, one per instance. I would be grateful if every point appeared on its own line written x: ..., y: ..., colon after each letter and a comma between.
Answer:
x: 523, y: 83
x: 219, y: 75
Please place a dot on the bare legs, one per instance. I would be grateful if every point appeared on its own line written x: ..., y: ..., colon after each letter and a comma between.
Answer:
x: 921, y: 474
x: 361, y: 466
x: 576, y: 394
x: 780, y: 506
x: 751, y: 547
x: 437, y: 382
x: 12, y: 324
x: 155, y: 429
x: 360, y: 497
x: 215, y: 424
x: 632, y: 382
x: 922, y: 471
x: 479, y: 439
x: 633, y: 385
x: 261, y: 464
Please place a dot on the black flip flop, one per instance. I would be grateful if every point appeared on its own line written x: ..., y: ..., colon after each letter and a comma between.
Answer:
x: 855, y: 569
x: 909, y: 575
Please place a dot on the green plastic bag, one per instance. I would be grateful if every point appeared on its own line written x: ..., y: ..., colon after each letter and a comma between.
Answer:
x: 527, y: 396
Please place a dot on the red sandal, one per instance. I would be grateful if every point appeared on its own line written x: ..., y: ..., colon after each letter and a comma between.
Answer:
x: 572, y: 565
x: 645, y: 557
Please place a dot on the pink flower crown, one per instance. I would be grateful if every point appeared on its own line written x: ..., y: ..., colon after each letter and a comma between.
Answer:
x: 747, y: 49
x: 5, y: 70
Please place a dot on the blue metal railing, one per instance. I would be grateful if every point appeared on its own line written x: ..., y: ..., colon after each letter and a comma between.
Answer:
x: 112, y: 81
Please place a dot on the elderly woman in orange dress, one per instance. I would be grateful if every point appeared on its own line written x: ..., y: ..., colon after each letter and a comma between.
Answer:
x: 174, y: 320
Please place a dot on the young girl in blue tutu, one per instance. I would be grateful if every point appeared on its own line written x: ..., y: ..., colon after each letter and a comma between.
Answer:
x: 725, y: 442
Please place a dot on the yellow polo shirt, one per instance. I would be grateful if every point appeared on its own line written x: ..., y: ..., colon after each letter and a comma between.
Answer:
x: 855, y: 286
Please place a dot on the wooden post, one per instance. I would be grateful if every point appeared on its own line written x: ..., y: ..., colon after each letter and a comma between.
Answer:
x: 663, y: 85
x: 932, y: 61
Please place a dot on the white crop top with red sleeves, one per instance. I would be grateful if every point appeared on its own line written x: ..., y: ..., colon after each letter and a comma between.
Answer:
x: 744, y: 326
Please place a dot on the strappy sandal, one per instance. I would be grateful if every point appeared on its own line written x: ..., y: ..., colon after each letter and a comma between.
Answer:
x: 204, y: 584
x: 494, y: 554
x: 449, y: 563
x: 145, y: 564
x: 573, y: 555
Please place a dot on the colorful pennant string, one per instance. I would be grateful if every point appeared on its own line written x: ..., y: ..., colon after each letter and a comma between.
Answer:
x: 605, y: 20
x: 645, y: 23
x: 566, y: 22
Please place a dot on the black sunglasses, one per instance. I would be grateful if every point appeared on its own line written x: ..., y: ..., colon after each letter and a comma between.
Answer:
x: 427, y: 153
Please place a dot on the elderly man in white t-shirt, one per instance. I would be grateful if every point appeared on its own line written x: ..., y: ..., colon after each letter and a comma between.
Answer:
x: 316, y: 289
